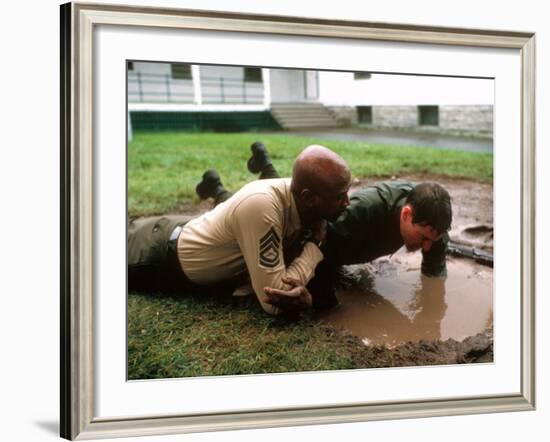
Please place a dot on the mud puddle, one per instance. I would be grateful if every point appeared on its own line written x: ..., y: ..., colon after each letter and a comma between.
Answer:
x: 388, y: 302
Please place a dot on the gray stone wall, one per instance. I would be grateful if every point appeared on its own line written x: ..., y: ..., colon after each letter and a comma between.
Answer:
x: 461, y: 120
x: 346, y: 116
x: 469, y: 119
x: 395, y: 116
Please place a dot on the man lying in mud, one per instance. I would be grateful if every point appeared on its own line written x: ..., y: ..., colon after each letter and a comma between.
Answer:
x: 245, y: 237
x: 379, y: 220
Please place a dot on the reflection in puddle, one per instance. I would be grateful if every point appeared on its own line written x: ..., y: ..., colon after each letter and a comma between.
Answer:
x: 389, y: 301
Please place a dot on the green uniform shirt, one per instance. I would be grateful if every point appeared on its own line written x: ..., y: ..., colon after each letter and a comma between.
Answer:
x: 369, y: 228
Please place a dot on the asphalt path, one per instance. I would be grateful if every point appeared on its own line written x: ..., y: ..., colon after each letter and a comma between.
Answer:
x: 403, y: 138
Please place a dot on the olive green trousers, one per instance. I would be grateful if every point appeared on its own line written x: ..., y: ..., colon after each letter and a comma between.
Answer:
x: 152, y: 259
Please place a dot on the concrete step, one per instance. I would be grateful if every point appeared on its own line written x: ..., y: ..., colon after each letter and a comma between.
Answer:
x: 290, y: 118
x: 300, y: 110
x: 311, y: 124
x: 297, y: 105
x: 302, y: 115
x: 315, y: 112
x: 287, y: 117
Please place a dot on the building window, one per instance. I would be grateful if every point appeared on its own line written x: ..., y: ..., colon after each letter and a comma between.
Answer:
x: 428, y: 115
x: 361, y: 75
x: 253, y: 75
x: 130, y: 65
x: 181, y: 71
x: 364, y: 114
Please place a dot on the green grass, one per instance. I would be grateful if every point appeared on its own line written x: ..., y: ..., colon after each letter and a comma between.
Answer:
x: 216, y: 336
x: 207, y: 335
x: 163, y: 168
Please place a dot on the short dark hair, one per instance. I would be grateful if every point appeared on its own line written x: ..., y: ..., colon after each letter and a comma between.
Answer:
x: 431, y: 206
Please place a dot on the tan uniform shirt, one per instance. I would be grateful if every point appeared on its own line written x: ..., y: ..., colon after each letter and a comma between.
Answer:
x: 247, y: 233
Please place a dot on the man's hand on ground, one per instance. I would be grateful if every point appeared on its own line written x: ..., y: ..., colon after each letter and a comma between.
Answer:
x: 295, y: 299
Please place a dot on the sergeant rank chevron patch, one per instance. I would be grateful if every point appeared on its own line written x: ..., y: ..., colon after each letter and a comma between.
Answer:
x: 269, y: 249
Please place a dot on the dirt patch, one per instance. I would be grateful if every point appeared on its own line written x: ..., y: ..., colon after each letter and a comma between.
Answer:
x: 475, y: 349
x: 195, y: 208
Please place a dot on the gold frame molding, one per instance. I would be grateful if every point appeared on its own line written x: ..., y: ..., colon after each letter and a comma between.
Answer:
x: 77, y: 399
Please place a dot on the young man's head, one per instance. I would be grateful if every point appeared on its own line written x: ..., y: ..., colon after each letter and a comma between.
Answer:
x: 426, y: 215
x: 320, y: 184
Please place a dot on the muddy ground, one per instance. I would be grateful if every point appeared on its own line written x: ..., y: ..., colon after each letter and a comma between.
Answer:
x: 403, y: 321
x: 392, y: 317
x: 474, y: 349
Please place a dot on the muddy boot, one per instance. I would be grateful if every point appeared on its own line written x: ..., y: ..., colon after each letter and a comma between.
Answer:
x: 210, y: 185
x: 259, y: 159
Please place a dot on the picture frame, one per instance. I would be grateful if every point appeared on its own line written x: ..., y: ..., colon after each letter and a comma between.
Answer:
x: 79, y: 23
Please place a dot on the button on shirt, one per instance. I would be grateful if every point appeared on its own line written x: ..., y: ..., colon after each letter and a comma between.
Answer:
x: 247, y: 233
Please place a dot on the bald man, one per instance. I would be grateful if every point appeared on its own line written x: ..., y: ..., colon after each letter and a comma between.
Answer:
x: 245, y: 236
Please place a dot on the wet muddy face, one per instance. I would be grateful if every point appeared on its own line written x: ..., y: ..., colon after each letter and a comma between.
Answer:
x: 389, y: 302
x: 417, y: 236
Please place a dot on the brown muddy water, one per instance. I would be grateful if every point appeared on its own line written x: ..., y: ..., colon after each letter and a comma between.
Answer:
x: 388, y: 302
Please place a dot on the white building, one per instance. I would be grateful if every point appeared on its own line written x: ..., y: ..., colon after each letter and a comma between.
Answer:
x: 207, y: 97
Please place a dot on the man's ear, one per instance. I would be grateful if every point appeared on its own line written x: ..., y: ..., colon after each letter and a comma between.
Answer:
x: 308, y: 197
x: 406, y: 213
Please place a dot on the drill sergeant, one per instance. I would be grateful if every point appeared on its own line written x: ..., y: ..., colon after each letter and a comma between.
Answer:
x: 246, y: 235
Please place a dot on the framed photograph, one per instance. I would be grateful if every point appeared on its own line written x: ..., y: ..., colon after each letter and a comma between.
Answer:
x: 151, y: 98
